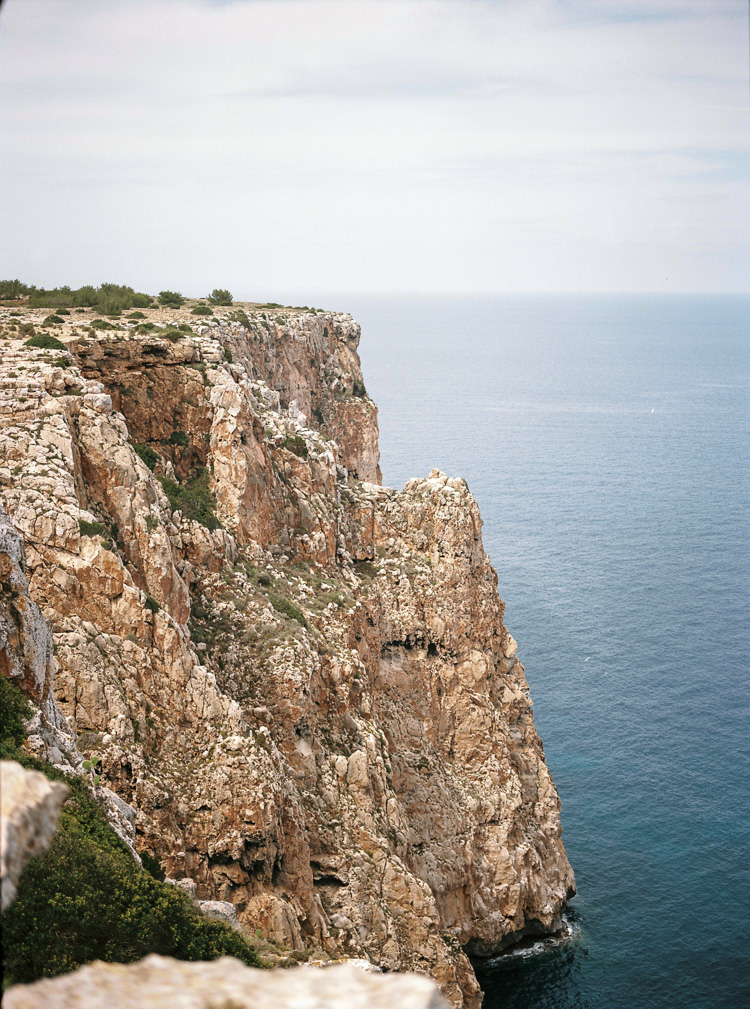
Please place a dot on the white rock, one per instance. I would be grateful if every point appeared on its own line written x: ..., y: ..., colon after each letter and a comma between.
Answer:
x: 158, y: 981
x: 220, y: 910
x: 29, y: 807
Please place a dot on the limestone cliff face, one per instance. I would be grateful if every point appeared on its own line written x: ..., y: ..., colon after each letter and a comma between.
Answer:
x: 315, y: 707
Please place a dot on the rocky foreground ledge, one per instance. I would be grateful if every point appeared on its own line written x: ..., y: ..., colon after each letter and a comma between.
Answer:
x: 158, y: 981
x: 298, y: 682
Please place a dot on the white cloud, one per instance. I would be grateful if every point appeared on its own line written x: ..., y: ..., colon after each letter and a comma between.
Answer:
x: 376, y: 144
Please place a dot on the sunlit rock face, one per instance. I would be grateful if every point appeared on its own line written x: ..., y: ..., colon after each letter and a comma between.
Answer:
x: 300, y: 679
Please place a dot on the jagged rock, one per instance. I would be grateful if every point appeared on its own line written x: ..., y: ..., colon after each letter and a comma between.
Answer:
x: 350, y: 759
x: 157, y: 982
x: 26, y: 653
x: 29, y: 807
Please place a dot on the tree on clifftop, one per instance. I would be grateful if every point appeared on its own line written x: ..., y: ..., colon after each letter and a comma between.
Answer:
x: 172, y: 299
x: 219, y: 296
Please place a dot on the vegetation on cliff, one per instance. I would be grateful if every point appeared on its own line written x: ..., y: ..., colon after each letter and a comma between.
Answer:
x: 110, y: 299
x: 194, y: 498
x: 86, y: 899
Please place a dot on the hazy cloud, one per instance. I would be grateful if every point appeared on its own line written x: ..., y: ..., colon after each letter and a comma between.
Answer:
x: 271, y: 145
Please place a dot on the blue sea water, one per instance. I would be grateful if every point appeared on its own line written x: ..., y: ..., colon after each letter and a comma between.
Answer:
x: 607, y: 441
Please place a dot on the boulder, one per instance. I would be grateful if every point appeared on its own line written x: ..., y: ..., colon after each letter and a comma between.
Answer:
x: 29, y: 807
x: 158, y: 981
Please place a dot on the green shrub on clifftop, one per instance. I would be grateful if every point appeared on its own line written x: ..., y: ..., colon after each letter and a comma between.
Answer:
x: 220, y: 296
x: 46, y: 342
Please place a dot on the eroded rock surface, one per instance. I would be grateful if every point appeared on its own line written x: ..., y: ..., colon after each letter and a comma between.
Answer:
x: 315, y: 707
x: 157, y: 982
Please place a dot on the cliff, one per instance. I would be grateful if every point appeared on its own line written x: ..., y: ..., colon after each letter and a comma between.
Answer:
x: 299, y: 679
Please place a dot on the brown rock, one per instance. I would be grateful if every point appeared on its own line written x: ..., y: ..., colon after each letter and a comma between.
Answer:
x: 332, y: 730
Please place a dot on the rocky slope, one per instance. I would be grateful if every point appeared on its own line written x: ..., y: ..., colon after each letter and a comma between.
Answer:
x: 300, y: 679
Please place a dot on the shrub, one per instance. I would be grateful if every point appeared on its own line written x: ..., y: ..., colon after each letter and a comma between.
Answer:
x: 153, y: 866
x: 112, y: 305
x: 193, y: 499
x: 63, y: 311
x: 45, y: 341
x: 86, y: 899
x: 52, y: 320
x: 228, y: 355
x: 297, y: 444
x: 101, y: 324
x: 359, y: 389
x: 110, y: 299
x: 12, y: 289
x: 365, y: 569
x: 148, y: 454
x: 179, y: 438
x: 202, y: 310
x: 136, y: 315
x: 172, y: 299
x: 220, y: 296
x: 285, y: 606
x: 184, y: 328
x: 152, y: 604
x: 26, y: 329
x: 92, y: 528
x: 15, y: 710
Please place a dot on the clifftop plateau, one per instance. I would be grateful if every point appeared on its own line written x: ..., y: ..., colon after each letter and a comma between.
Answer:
x: 299, y: 679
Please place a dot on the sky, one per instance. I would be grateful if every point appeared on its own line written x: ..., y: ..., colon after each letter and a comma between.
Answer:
x: 272, y: 146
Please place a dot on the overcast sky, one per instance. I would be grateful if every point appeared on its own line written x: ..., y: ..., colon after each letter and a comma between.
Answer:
x: 376, y: 145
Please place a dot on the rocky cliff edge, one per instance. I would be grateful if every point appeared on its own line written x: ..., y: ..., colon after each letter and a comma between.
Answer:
x: 299, y: 679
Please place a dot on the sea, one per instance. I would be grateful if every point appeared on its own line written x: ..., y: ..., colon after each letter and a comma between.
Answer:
x: 607, y: 441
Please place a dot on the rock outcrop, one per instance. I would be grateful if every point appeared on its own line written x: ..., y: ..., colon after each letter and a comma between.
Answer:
x: 29, y: 807
x: 158, y: 981
x: 300, y: 679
